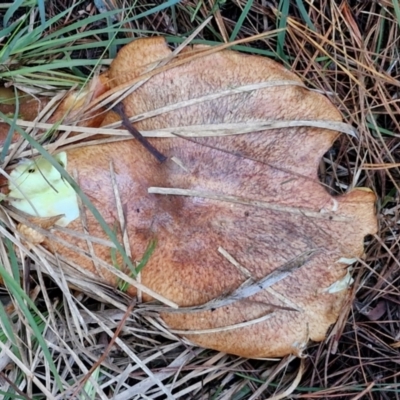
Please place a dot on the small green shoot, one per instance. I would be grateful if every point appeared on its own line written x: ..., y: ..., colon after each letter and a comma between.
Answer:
x: 89, y: 390
x: 123, y: 286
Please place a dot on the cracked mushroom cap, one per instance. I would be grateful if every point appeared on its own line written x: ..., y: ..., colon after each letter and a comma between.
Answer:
x: 228, y: 212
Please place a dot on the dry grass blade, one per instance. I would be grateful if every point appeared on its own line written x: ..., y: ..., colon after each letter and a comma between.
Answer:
x: 249, y: 202
x: 146, y: 384
x: 289, y: 390
x: 248, y: 289
x: 195, y: 130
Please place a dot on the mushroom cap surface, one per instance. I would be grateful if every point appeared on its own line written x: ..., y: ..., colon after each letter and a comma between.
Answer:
x: 251, y: 203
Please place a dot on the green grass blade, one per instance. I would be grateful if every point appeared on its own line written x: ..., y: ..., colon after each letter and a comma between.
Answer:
x: 6, y: 31
x: 57, y: 43
x: 52, y: 21
x: 77, y: 25
x: 282, y: 23
x: 12, y: 258
x: 396, y: 5
x: 7, y: 142
x: 9, y: 137
x: 123, y: 286
x: 305, y: 16
x: 381, y: 33
x: 147, y: 254
x: 23, y: 41
x: 9, y: 47
x: 105, y: 15
x: 89, y: 390
x: 161, y: 7
x: 196, y: 10
x: 7, y: 332
x: 49, y: 67
x: 241, y: 19
x: 13, y: 396
x: 21, y: 298
x: 11, y: 11
x: 380, y: 130
x: 47, y: 49
x: 42, y: 13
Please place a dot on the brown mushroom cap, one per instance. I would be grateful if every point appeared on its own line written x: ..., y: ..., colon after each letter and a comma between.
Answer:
x: 255, y: 195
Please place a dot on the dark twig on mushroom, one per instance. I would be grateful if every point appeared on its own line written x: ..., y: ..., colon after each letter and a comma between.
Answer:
x: 119, y: 109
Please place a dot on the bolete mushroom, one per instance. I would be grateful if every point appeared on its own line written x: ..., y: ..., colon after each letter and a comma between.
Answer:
x: 249, y: 243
